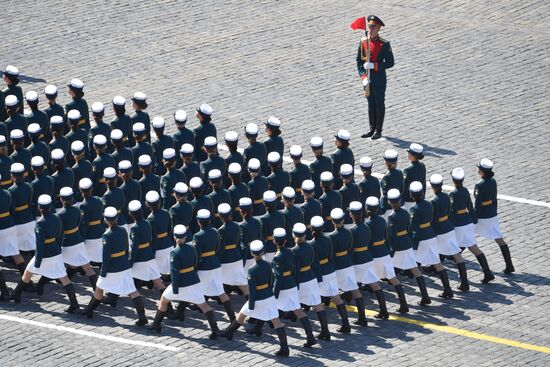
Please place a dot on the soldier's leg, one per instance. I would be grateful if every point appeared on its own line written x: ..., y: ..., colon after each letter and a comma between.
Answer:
x: 159, y: 316
x: 447, y: 290
x: 480, y: 256
x: 244, y: 290
x: 360, y: 302
x: 90, y: 273
x: 235, y: 324
x: 95, y: 301
x: 71, y: 294
x: 461, y: 265
x: 505, y: 250
x: 379, y: 97
x: 426, y: 300
x: 209, y: 313
x: 306, y: 324
x: 372, y: 117
x: 4, y: 290
x: 281, y: 333
x: 381, y: 298
x: 137, y: 300
x: 228, y: 306
x: 23, y: 283
x: 403, y: 306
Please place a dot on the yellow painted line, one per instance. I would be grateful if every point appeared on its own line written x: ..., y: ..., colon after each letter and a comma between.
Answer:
x: 457, y: 331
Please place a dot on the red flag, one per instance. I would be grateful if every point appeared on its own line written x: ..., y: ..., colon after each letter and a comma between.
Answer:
x: 359, y: 23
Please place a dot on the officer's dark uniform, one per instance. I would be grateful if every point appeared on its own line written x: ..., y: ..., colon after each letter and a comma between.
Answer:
x: 54, y: 109
x: 74, y: 135
x: 319, y: 165
x: 361, y: 240
x: 182, y: 136
x: 256, y: 150
x: 132, y: 191
x: 7, y: 208
x: 70, y: 218
x: 349, y: 192
x: 393, y: 179
x: 260, y: 282
x: 462, y: 209
x: 181, y: 214
x: 441, y: 204
x: 342, y: 240
x: 218, y: 197
x: 59, y: 142
x: 49, y: 237
x: 257, y: 186
x: 81, y: 105
x: 91, y: 225
x: 167, y: 183
x: 274, y: 144
x: 378, y: 245
x: 234, y: 156
x: 322, y: 244
x: 115, y: 197
x: 230, y: 239
x: 161, y: 229
x: 115, y: 251
x: 415, y: 172
x: 382, y: 57
x: 101, y: 128
x: 369, y: 186
x: 15, y: 90
x: 143, y: 117
x: 122, y: 153
x: 306, y: 263
x: 251, y: 230
x: 298, y: 174
x: 40, y: 148
x: 201, y: 132
x: 270, y: 221
x: 212, y: 162
x: 16, y: 121
x: 22, y: 202
x: 24, y: 156
x: 139, y: 149
x: 283, y: 271
x: 149, y: 182
x: 485, y: 193
x: 329, y: 200
x: 41, y: 185
x: 183, y: 266
x: 421, y: 213
x: 101, y: 162
x: 159, y: 145
x: 278, y: 180
x: 5, y: 165
x: 124, y: 124
x: 292, y: 215
x: 191, y: 170
x: 207, y: 243
x: 310, y: 208
x: 342, y: 155
x: 237, y: 192
x: 42, y: 119
x: 201, y: 202
x: 61, y: 178
x: 81, y: 169
x: 399, y: 237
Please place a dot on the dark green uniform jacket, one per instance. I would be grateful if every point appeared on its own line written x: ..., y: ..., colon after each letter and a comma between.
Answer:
x: 292, y: 215
x: 82, y: 169
x: 341, y: 248
x: 141, y: 237
x: 230, y: 240
x: 324, y: 253
x: 207, y: 243
x: 92, y: 225
x: 349, y: 192
x: 159, y: 145
x: 22, y: 202
x: 393, y: 179
x: 81, y: 105
x: 115, y: 251
x: 379, y: 234
x: 260, y: 282
x: 6, y: 210
x: 124, y: 124
x: 115, y: 197
x: 61, y: 178
x: 201, y: 132
x: 329, y: 200
x: 41, y: 185
x: 256, y: 150
x: 342, y: 155
x: 257, y: 186
x: 283, y: 271
x: 310, y: 208
x: 251, y: 230
x: 485, y: 194
x: 269, y: 222
x: 183, y: 267
x: 70, y: 217
x: 101, y: 162
x: 161, y: 230
x: 361, y: 236
x: 462, y: 209
x: 399, y: 236
x: 202, y: 202
x: 218, y: 197
x: 415, y: 172
x: 299, y: 174
x: 306, y: 263
x: 421, y: 222
x: 237, y: 192
x: 181, y: 214
x: 318, y: 166
x: 369, y: 186
x: 167, y: 183
x: 441, y: 204
x: 49, y: 237
x: 277, y: 181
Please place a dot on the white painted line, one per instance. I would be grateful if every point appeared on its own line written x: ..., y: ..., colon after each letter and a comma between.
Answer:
x: 445, y: 187
x: 114, y: 339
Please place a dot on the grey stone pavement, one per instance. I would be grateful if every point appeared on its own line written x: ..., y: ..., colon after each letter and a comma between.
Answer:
x: 471, y: 80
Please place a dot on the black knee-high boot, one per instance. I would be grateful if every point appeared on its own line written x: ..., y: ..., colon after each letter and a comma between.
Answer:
x: 256, y: 329
x: 403, y: 306
x: 21, y: 267
x: 309, y: 332
x: 361, y: 317
x: 231, y: 329
x: 140, y: 309
x: 213, y: 325
x: 383, y: 313
x: 16, y: 295
x: 507, y: 259
x: 323, y: 320
x: 110, y: 299
x: 283, y: 351
x: 4, y: 290
x: 447, y: 290
x: 228, y: 307
x: 345, y: 328
x: 41, y: 284
x: 156, y: 326
x: 71, y: 294
x: 326, y: 301
x: 88, y: 311
x: 464, y: 284
x: 487, y: 273
x: 425, y: 300
x: 93, y: 280
x: 30, y: 287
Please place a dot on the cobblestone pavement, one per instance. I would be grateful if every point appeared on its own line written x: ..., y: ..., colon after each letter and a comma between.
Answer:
x: 470, y: 81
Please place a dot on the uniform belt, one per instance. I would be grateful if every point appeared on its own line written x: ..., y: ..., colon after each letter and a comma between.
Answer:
x: 143, y: 245
x: 262, y: 286
x: 5, y: 182
x: 118, y: 254
x: 230, y: 247
x: 328, y: 217
x: 443, y: 218
x: 305, y: 268
x: 425, y: 225
x: 402, y: 233
x: 486, y: 202
x: 323, y: 261
x: 81, y: 122
x: 258, y: 201
x: 342, y: 253
x: 379, y: 243
x: 47, y: 241
x: 269, y: 238
x: 22, y: 207
x: 94, y: 222
x: 4, y: 215
x: 162, y: 235
x: 279, y: 194
x: 462, y: 211
x: 187, y: 270
x: 71, y: 231
x: 361, y: 249
x: 25, y: 174
x: 209, y: 253
x: 287, y: 273
x: 101, y: 180
x: 298, y: 190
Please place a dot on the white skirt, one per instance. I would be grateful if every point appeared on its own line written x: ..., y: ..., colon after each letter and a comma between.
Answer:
x: 233, y: 273
x: 26, y: 238
x: 146, y: 270
x: 8, y: 243
x: 466, y: 235
x: 121, y: 283
x: 211, y: 281
x: 447, y: 244
x: 288, y: 300
x: 265, y: 309
x: 346, y: 279
x: 268, y: 256
x: 427, y: 253
x: 75, y: 255
x: 404, y: 259
x: 309, y: 293
x: 248, y: 264
x: 489, y: 228
x: 94, y: 249
x: 366, y: 273
x: 329, y: 285
x: 192, y: 294
x: 163, y: 260
x: 383, y: 267
x: 51, y: 267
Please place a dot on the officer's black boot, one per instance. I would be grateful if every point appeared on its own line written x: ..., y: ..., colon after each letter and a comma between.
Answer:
x: 380, y: 112
x: 306, y: 308
x: 89, y: 310
x: 464, y: 284
x: 140, y: 309
x: 345, y: 328
x: 21, y: 267
x: 41, y: 284
x: 4, y: 290
x: 309, y: 332
x: 228, y: 307
x: 30, y: 287
x: 213, y: 325
x: 361, y: 318
x: 71, y: 272
x: 403, y: 306
x: 346, y: 297
x: 74, y: 307
x: 425, y: 300
x: 283, y: 351
x: 507, y: 259
x: 156, y: 326
x: 447, y: 290
x: 323, y: 320
x: 179, y: 314
x: 372, y: 123
x: 93, y: 280
x: 383, y: 313
x: 256, y: 329
x: 16, y: 295
x: 325, y: 300
x: 487, y: 273
x: 228, y: 333
x: 110, y: 299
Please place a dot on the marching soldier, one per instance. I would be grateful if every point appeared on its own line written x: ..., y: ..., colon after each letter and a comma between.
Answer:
x: 231, y: 139
x: 251, y: 230
x: 42, y: 183
x: 257, y: 185
x: 204, y: 129
x: 101, y: 161
x: 100, y: 128
x: 262, y: 304
x: 139, y: 104
x: 213, y: 160
x: 393, y: 179
x: 122, y: 121
x: 330, y: 199
x: 189, y: 168
x: 36, y: 116
x: 120, y: 152
x: 161, y: 231
x: 274, y: 142
x: 116, y: 270
x: 59, y: 141
x: 272, y: 219
x: 148, y: 181
x: 447, y: 243
x: 21, y: 154
x: 114, y: 196
x: 91, y: 225
x: 200, y: 201
x: 342, y: 155
x: 5, y: 164
x: 369, y: 185
x: 321, y: 164
x: 141, y: 148
x: 311, y: 206
x: 299, y: 173
x: 9, y: 246
x: 374, y: 56
x: 279, y: 178
x: 255, y: 149
x: 62, y: 176
x: 161, y: 143
x: 485, y: 206
x: 21, y: 193
x: 38, y: 147
x: 170, y: 178
x: 349, y: 190
x: 415, y: 172
x: 463, y: 217
x: 186, y: 286
x: 400, y: 243
x: 292, y: 214
x: 219, y: 195
x: 182, y: 211
x: 15, y: 119
x: 76, y: 133
x: 47, y: 261
x: 81, y: 169
x: 237, y: 190
x: 183, y: 135
x: 76, y: 92
x: 11, y: 78
x: 130, y: 186
x: 53, y: 109
x: 424, y: 237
